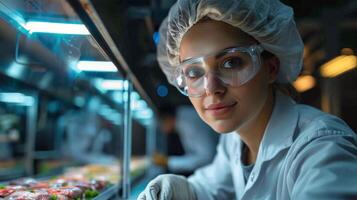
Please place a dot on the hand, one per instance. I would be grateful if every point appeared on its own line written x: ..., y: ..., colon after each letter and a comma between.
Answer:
x: 160, y: 159
x: 167, y: 187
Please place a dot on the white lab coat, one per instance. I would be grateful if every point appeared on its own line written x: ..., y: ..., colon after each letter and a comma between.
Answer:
x: 304, y: 154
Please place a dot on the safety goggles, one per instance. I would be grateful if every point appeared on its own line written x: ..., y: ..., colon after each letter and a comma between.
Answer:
x: 231, y: 67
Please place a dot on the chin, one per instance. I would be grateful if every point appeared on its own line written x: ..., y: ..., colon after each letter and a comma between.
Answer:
x: 222, y: 127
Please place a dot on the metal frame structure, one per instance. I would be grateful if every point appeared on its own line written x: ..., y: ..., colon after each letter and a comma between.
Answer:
x: 31, y: 117
x: 127, y: 145
x: 89, y: 16
x: 31, y: 134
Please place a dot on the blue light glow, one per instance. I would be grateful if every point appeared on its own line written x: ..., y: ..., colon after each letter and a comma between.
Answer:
x: 141, y: 104
x: 118, y: 97
x: 134, y: 96
x: 156, y: 37
x: 96, y: 66
x: 144, y: 114
x: 17, y: 98
x: 112, y: 84
x: 56, y: 28
x: 105, y: 85
x: 15, y: 70
x: 162, y: 91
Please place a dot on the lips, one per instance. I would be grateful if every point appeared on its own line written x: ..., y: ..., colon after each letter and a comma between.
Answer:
x: 217, y: 106
x: 219, y: 109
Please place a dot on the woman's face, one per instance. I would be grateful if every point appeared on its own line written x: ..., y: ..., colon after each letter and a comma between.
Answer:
x: 223, y: 107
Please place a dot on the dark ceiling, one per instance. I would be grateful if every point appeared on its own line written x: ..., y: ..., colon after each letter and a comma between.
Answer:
x: 325, y: 25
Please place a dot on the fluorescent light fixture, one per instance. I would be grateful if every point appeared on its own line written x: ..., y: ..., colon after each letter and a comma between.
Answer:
x: 141, y: 104
x: 338, y: 66
x: 16, y: 69
x: 112, y: 84
x: 106, y: 84
x: 304, y: 83
x: 56, y: 28
x: 16, y: 98
x: 118, y: 96
x: 144, y: 114
x: 96, y: 66
x: 134, y: 96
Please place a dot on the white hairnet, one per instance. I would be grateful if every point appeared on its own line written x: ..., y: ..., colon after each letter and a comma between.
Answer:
x: 270, y: 22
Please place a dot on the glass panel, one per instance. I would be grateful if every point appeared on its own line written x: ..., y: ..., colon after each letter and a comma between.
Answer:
x: 142, y: 126
x: 61, y: 102
x: 13, y: 132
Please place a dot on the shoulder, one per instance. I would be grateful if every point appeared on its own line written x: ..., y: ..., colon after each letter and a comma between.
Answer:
x: 313, y: 123
x: 315, y: 127
x: 321, y: 136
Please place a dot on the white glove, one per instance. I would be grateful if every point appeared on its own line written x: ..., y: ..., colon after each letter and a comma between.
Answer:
x: 168, y: 187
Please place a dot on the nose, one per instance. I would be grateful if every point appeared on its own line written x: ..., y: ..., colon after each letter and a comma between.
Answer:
x: 213, y: 85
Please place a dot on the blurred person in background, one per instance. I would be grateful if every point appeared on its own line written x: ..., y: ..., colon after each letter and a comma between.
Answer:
x: 85, y: 137
x: 190, y: 129
x: 235, y: 59
x: 172, y: 145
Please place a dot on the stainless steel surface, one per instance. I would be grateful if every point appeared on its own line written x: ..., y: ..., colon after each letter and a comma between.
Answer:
x: 31, y: 135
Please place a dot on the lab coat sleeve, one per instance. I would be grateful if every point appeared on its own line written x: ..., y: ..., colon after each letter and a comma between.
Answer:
x: 215, y: 180
x: 325, y: 168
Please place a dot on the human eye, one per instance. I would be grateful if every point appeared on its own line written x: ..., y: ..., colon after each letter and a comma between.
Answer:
x: 193, y: 72
x: 233, y: 63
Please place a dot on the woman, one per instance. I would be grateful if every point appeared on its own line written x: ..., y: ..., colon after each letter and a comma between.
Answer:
x: 230, y: 57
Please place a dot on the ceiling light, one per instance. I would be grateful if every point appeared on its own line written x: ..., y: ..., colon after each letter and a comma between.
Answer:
x: 56, y: 28
x: 338, y: 66
x: 106, y: 84
x: 304, y: 83
x: 16, y: 98
x: 96, y: 66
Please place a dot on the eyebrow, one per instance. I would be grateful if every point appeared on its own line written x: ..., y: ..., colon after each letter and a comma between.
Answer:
x: 219, y: 53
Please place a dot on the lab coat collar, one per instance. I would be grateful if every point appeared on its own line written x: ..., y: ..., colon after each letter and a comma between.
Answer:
x: 280, y: 130
x: 278, y: 135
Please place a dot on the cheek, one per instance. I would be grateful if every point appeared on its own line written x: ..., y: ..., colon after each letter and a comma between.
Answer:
x: 251, y: 97
x: 253, y: 94
x: 198, y: 105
